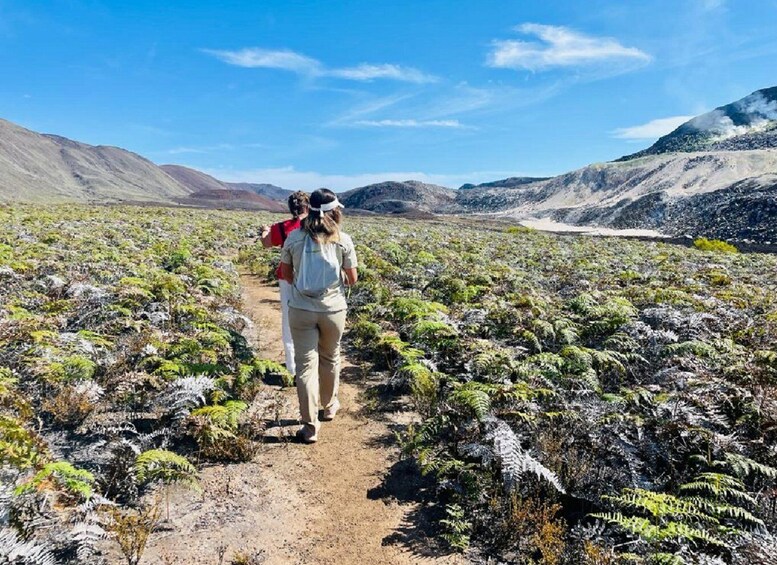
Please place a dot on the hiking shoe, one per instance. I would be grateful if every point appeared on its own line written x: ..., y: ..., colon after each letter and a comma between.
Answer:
x: 307, y: 434
x: 328, y: 414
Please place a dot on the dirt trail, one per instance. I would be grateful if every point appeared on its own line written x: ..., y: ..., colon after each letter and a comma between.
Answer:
x: 335, y: 502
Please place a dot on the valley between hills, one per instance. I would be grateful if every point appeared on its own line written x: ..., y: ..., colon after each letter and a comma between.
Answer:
x: 714, y: 176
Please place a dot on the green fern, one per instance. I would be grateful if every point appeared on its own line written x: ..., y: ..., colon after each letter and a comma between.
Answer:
x: 475, y: 397
x: 405, y: 309
x: 661, y: 558
x: 73, y: 482
x: 744, y: 466
x: 658, y: 504
x: 264, y: 368
x: 221, y: 416
x: 693, y: 347
x: 457, y: 527
x: 644, y: 529
x: 166, y: 467
x: 718, y: 485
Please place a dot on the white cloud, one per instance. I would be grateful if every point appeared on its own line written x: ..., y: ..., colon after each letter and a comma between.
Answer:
x: 204, y: 149
x: 289, y: 177
x: 366, y: 72
x: 285, y: 59
x: 410, y: 123
x: 711, y: 5
x: 559, y: 47
x: 652, y: 129
x: 184, y: 150
x: 252, y: 57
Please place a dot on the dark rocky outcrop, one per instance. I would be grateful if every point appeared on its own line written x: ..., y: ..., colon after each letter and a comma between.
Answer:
x: 401, y: 197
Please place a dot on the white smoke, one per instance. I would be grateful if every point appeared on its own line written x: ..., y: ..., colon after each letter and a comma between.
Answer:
x: 757, y: 104
x: 761, y: 113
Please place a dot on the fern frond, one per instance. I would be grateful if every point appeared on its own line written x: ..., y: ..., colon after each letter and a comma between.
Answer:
x: 475, y: 397
x: 515, y: 462
x: 720, y: 486
x: 722, y: 510
x: 185, y: 394
x: 15, y: 550
x: 744, y: 466
x: 658, y: 504
x: 160, y: 465
x: 63, y: 476
x: 225, y: 416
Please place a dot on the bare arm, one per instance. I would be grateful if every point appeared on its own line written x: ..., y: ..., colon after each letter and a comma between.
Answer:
x: 287, y: 273
x: 351, y: 276
x: 265, y: 237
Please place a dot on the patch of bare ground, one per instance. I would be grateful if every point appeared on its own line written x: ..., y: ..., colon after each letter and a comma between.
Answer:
x: 345, y: 500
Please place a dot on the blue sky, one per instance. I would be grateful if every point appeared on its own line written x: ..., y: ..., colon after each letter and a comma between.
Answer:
x: 306, y: 94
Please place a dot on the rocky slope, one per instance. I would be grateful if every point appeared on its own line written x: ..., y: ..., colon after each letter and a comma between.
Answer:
x: 743, y: 211
x: 723, y: 194
x: 401, y: 197
x: 749, y: 123
x: 48, y: 168
x: 511, y: 182
x: 197, y: 181
x: 38, y: 167
x: 194, y: 180
x: 678, y: 175
x: 714, y: 175
x: 262, y: 189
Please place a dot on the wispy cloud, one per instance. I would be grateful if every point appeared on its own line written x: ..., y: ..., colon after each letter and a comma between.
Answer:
x: 410, y: 123
x: 366, y: 72
x: 289, y: 177
x: 184, y: 150
x: 253, y: 57
x: 152, y: 130
x: 652, y: 129
x: 711, y: 5
x: 559, y: 46
x: 285, y: 59
x: 443, y: 106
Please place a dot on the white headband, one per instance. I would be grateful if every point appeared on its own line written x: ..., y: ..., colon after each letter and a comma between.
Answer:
x: 327, y: 207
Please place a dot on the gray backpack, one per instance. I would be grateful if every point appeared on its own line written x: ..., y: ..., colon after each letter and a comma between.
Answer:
x: 319, y: 268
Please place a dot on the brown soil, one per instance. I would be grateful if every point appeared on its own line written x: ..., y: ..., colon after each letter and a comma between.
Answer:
x: 345, y: 500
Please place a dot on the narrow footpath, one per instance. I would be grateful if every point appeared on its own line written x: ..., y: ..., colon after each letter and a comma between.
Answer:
x: 326, y: 503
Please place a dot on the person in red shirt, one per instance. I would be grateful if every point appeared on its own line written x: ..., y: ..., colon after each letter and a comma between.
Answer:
x: 275, y: 236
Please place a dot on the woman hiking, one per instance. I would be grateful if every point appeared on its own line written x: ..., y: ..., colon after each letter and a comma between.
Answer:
x: 275, y: 236
x: 318, y: 261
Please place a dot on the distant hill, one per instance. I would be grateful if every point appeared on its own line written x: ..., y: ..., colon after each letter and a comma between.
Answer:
x: 676, y: 193
x: 194, y: 180
x: 511, y: 182
x: 679, y: 175
x: 269, y: 190
x: 714, y: 175
x: 210, y: 191
x: 218, y: 198
x: 744, y: 125
x: 401, y: 198
x: 200, y: 183
x: 48, y: 168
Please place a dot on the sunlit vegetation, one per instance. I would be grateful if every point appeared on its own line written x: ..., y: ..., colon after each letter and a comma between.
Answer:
x: 584, y: 400
x: 124, y: 362
x: 579, y: 400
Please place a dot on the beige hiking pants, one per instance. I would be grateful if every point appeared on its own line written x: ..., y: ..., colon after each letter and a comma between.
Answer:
x: 316, y: 338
